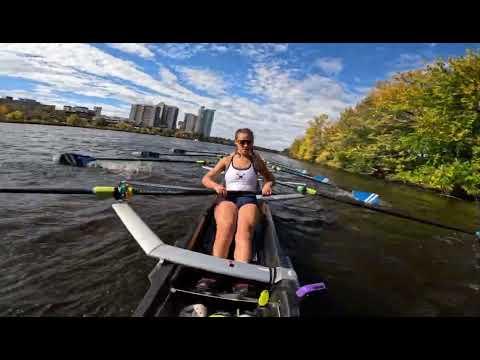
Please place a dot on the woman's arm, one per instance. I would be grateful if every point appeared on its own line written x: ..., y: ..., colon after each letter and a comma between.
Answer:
x: 269, y: 179
x: 209, y: 179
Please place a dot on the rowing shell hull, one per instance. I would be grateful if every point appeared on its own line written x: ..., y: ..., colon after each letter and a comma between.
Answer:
x: 172, y: 286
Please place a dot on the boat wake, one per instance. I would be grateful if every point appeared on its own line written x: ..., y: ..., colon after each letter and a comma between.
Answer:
x: 126, y: 170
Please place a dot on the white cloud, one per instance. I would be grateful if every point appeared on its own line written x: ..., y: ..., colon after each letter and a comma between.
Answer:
x: 330, y: 66
x: 178, y: 51
x: 204, y: 79
x: 283, y: 101
x: 256, y: 52
x: 261, y: 52
x: 289, y: 103
x: 141, y: 50
x: 86, y: 70
x: 219, y: 48
x: 409, y: 61
x: 167, y: 75
x: 363, y: 90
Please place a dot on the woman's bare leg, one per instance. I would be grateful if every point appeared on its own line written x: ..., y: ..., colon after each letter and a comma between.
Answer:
x: 226, y: 213
x: 248, y: 216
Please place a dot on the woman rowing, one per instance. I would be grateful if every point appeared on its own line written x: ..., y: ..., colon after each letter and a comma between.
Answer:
x: 236, y: 211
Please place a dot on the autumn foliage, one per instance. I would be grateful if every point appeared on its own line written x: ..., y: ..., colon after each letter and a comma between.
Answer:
x: 420, y: 127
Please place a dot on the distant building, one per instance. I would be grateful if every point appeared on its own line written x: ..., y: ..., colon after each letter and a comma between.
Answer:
x: 181, y: 125
x: 160, y: 115
x: 204, y: 122
x: 80, y: 109
x: 189, y: 121
x: 117, y: 118
x: 149, y: 115
x: 83, y: 110
x: 28, y: 101
x: 9, y: 98
x: 136, y: 113
x: 160, y: 118
x: 49, y: 108
x: 171, y: 115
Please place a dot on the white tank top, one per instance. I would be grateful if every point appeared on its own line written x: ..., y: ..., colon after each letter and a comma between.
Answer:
x: 241, y: 179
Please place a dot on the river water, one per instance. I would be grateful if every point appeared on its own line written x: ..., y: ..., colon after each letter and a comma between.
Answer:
x: 69, y: 255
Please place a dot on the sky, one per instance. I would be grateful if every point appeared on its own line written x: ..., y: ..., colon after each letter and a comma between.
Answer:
x: 274, y: 89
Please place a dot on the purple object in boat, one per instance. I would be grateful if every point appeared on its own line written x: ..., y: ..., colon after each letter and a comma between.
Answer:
x: 307, y: 289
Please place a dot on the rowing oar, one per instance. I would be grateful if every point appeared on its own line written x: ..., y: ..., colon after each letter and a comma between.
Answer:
x: 125, y: 190
x: 183, y: 151
x: 362, y: 196
x: 104, y: 192
x: 84, y: 160
x: 305, y: 172
x: 377, y: 208
x: 153, y: 154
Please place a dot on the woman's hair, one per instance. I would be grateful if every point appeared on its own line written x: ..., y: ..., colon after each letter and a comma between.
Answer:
x: 245, y: 131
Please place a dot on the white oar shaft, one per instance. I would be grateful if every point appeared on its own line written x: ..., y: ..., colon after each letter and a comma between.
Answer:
x: 153, y: 246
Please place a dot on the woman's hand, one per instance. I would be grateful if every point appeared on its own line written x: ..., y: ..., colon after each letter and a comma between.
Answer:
x: 267, y: 189
x: 220, y: 189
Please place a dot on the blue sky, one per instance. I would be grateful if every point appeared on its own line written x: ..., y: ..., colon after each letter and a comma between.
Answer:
x: 274, y: 89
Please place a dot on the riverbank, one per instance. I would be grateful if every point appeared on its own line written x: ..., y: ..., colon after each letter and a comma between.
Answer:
x: 458, y: 195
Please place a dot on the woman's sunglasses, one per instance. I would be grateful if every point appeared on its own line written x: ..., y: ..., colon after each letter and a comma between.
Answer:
x: 244, y: 142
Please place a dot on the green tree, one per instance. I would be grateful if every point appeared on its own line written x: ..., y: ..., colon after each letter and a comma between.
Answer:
x: 123, y: 125
x: 73, y: 120
x: 421, y: 126
x: 15, y: 115
x: 4, y: 109
x: 101, y: 122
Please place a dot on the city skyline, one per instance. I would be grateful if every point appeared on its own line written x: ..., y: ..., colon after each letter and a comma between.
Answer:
x: 275, y: 89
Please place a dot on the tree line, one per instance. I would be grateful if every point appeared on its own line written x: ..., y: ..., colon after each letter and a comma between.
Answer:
x: 420, y: 127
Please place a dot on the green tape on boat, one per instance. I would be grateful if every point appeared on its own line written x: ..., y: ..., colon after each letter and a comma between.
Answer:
x: 104, y: 192
x: 311, y: 191
x: 203, y: 162
x: 264, y: 298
